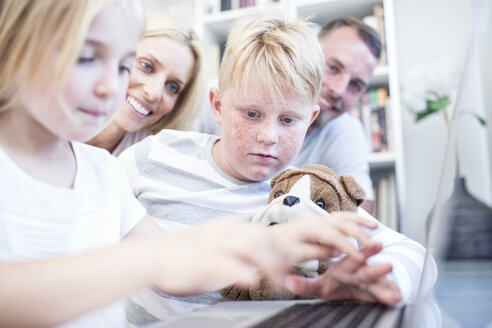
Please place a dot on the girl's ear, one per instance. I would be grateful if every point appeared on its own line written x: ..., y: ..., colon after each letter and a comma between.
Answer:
x: 214, y: 97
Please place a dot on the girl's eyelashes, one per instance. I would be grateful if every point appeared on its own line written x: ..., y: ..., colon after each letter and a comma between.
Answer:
x: 126, y: 65
x: 125, y: 68
x: 87, y: 54
x: 85, y: 59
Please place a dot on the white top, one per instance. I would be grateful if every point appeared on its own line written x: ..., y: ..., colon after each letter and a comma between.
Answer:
x: 39, y: 221
x: 340, y: 144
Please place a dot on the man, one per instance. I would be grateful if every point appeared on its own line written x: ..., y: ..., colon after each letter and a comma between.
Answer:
x: 336, y: 139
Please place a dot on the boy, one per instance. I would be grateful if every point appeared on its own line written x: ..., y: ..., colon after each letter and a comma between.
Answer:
x: 269, y: 83
x: 351, y: 49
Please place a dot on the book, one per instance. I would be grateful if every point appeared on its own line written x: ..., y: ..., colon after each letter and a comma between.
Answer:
x: 366, y: 116
x: 225, y: 5
x: 378, y: 12
x: 246, y: 3
x: 382, y: 201
x: 385, y: 206
x: 381, y: 100
x: 372, y: 110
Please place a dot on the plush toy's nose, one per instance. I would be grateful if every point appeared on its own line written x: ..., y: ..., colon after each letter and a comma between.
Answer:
x: 291, y: 200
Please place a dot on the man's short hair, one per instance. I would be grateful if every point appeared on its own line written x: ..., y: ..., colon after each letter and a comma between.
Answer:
x: 367, y: 34
x: 281, y: 53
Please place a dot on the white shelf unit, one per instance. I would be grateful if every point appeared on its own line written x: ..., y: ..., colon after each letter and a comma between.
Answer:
x: 214, y: 27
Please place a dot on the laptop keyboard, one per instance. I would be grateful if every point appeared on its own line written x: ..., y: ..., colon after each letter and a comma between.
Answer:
x: 319, y: 315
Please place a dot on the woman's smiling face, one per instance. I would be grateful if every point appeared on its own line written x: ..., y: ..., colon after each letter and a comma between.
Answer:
x: 159, y: 74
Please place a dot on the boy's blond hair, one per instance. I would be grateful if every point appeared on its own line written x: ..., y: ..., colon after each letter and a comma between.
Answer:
x: 190, y: 99
x: 282, y: 53
x: 33, y: 33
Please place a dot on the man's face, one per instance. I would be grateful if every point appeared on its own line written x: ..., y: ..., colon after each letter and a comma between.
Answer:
x: 260, y: 135
x: 349, y: 66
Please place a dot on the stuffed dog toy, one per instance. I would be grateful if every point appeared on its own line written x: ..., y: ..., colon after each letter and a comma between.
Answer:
x: 297, y: 193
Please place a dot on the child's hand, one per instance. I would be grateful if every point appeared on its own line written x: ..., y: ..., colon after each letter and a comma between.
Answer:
x: 352, y: 279
x: 321, y: 237
x: 216, y: 254
x: 213, y: 255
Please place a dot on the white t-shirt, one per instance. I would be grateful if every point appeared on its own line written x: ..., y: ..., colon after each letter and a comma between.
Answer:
x: 39, y: 221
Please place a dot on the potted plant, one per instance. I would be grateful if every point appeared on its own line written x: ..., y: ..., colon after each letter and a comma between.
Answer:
x: 428, y: 91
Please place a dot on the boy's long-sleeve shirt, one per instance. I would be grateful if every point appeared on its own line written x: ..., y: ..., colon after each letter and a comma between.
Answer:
x: 174, y: 176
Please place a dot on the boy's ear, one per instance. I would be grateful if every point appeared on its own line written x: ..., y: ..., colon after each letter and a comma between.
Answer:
x: 315, y: 113
x: 216, y: 103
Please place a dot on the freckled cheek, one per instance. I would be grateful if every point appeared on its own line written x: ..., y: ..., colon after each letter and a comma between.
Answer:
x: 291, y: 145
x: 240, y: 137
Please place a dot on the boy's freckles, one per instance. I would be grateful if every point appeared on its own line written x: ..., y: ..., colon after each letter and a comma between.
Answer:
x: 256, y: 148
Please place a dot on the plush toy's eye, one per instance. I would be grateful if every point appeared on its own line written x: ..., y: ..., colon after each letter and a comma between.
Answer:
x: 278, y: 194
x: 272, y: 223
x: 320, y: 203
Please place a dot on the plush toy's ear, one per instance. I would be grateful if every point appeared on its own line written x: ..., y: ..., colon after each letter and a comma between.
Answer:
x: 353, y: 189
x: 278, y: 176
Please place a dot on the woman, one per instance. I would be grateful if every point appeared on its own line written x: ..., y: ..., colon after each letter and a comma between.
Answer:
x: 165, y: 89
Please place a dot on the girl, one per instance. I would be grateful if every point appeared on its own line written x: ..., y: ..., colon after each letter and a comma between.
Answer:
x: 64, y: 205
x: 165, y: 88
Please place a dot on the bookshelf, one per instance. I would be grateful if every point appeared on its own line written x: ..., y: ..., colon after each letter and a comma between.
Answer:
x: 213, y: 25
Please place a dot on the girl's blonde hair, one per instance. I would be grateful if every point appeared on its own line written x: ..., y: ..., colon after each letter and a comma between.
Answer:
x: 33, y: 33
x: 281, y: 53
x: 190, y: 99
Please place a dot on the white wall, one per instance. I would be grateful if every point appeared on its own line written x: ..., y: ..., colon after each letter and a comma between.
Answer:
x: 183, y: 9
x: 429, y: 31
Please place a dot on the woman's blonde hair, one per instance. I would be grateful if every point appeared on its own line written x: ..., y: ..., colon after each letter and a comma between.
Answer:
x: 190, y: 99
x: 32, y: 34
x: 281, y: 53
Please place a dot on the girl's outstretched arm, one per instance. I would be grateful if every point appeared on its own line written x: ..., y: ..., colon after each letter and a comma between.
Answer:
x: 202, y: 259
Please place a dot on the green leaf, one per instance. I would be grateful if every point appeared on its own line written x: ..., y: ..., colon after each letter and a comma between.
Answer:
x: 433, y: 106
x: 423, y: 114
x: 439, y: 104
x: 480, y: 119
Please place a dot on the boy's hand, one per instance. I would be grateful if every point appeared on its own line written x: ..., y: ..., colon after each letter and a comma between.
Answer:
x: 350, y: 279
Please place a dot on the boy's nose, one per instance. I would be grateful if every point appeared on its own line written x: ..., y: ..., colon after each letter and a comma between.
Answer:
x: 268, y: 134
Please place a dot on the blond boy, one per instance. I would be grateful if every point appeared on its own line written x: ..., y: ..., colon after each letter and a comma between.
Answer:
x: 269, y: 83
